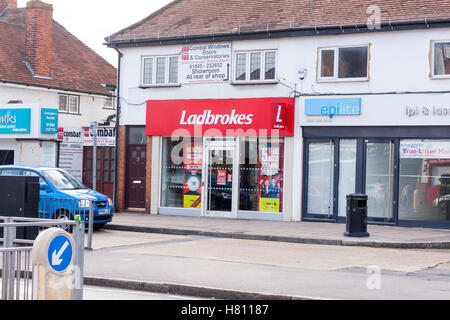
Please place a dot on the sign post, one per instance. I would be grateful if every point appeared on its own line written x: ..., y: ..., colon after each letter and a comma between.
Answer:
x: 94, y: 128
x: 53, y: 258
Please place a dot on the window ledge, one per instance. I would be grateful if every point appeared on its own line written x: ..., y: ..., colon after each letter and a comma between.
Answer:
x: 256, y: 82
x: 169, y: 85
x: 342, y: 80
x: 440, y: 77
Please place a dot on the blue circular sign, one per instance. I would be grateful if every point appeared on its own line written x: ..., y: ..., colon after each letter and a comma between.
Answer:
x: 60, y: 253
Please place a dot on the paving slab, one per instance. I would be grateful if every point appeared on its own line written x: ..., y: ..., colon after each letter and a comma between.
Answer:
x: 296, y: 232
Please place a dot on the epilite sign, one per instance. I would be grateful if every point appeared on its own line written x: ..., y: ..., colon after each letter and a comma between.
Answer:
x: 221, y: 117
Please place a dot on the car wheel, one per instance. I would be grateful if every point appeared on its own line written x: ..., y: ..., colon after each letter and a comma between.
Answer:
x: 63, y: 216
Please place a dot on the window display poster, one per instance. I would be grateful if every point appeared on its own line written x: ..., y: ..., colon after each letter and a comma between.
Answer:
x: 270, y: 179
x: 192, y: 188
x: 221, y: 177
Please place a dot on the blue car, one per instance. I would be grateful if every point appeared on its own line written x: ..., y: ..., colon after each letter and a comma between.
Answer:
x: 63, y: 197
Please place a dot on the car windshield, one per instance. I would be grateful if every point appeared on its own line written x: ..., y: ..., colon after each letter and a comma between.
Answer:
x: 62, y: 180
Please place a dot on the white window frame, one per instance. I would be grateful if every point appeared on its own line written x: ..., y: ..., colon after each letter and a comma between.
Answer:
x: 107, y: 105
x: 68, y: 96
x: 335, y: 77
x: 261, y: 79
x: 433, y: 51
x: 167, y: 71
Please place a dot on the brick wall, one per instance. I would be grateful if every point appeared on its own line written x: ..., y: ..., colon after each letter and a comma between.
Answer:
x: 121, y: 168
x: 148, y: 179
x: 8, y: 3
x: 39, y: 37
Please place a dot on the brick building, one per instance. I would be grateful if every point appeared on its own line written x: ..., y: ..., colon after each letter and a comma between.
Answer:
x: 303, y: 103
x: 45, y: 69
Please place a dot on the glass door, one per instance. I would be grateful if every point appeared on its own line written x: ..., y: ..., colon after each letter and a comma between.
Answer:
x: 220, y: 181
x: 379, y: 179
x: 320, y: 185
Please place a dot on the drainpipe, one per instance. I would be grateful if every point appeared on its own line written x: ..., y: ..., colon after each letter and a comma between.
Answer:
x: 117, y: 129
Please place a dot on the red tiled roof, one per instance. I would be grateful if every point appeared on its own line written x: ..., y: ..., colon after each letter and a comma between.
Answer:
x: 203, y: 17
x: 75, y: 67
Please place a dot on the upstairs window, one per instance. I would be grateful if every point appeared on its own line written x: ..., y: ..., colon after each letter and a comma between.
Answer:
x: 68, y: 103
x: 253, y: 66
x: 346, y: 63
x: 160, y: 71
x: 441, y: 59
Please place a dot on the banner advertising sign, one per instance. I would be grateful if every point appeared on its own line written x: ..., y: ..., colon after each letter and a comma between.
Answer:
x: 106, y: 137
x: 71, y: 151
x: 15, y: 120
x: 206, y: 63
x: 270, y: 178
x: 49, y: 121
x: 425, y: 149
x: 221, y: 117
x: 192, y: 189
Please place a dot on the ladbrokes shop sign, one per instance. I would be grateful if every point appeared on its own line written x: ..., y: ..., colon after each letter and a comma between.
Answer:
x: 221, y: 117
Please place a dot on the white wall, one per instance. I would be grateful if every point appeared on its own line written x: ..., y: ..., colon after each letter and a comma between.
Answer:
x: 91, y: 106
x: 399, y: 62
x: 31, y: 153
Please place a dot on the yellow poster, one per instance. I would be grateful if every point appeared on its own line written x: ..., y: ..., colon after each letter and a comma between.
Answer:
x: 269, y: 204
x: 192, y: 201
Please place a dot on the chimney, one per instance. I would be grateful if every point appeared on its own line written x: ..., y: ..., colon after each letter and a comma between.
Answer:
x: 39, y: 38
x: 12, y: 4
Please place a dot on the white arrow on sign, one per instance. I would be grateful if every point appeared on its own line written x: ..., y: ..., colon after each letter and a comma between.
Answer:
x: 56, y: 261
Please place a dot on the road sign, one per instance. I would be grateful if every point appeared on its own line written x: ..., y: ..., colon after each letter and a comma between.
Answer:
x: 60, y: 253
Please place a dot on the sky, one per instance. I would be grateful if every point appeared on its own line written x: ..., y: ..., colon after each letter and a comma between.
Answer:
x: 93, y: 20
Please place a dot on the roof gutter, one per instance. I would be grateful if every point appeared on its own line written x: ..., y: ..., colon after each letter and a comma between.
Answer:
x: 283, y: 33
x: 54, y: 88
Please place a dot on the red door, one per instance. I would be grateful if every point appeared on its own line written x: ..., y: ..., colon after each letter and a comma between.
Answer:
x: 136, y: 181
x: 105, y: 169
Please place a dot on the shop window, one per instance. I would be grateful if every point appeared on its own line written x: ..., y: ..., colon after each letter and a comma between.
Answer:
x: 343, y: 63
x: 255, y: 66
x: 261, y: 175
x: 160, y: 71
x: 181, y: 173
x: 347, y: 173
x: 424, y: 184
x: 380, y: 179
x: 441, y: 59
x: 320, y: 178
x: 6, y: 157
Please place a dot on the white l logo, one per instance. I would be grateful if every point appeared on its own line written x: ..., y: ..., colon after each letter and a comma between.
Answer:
x: 279, y: 120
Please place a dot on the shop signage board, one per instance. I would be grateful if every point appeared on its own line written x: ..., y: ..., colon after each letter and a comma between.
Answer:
x: 221, y: 117
x: 202, y: 63
x: 15, y: 120
x: 49, y: 121
x: 425, y: 149
x: 333, y: 107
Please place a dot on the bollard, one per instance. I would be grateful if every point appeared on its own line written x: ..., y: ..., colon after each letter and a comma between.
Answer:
x: 52, y: 258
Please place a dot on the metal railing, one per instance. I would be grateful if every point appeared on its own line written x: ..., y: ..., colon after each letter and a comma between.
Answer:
x: 17, y: 269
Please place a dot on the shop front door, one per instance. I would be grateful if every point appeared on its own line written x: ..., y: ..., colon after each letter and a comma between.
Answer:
x: 379, y: 179
x: 220, y: 181
x: 136, y: 181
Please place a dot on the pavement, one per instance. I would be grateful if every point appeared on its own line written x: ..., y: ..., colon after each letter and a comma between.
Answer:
x: 265, y: 260
x: 294, y: 232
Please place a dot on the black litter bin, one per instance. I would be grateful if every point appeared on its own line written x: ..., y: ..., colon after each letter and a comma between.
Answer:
x: 357, y: 216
